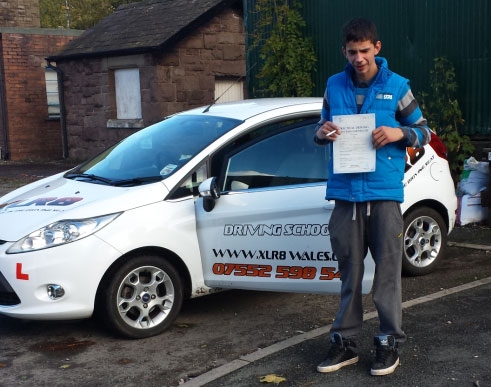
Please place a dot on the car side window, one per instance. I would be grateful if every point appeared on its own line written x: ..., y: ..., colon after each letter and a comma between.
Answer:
x: 276, y: 157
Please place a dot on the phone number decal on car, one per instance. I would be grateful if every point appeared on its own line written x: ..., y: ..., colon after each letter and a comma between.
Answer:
x: 289, y: 272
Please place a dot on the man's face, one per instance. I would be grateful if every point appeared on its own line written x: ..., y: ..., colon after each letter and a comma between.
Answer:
x: 361, y: 55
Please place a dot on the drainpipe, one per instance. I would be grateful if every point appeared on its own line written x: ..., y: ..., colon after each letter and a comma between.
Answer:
x: 61, y: 96
x: 4, y: 151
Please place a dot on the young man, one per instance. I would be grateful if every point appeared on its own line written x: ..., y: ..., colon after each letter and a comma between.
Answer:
x: 367, y: 213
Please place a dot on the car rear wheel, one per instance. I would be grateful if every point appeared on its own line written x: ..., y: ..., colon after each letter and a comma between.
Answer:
x: 141, y: 298
x: 425, y: 238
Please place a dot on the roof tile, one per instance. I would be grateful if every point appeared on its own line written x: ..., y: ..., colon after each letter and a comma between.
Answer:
x: 141, y: 26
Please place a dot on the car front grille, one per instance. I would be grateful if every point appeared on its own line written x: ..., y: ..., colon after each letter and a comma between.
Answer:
x: 7, y: 295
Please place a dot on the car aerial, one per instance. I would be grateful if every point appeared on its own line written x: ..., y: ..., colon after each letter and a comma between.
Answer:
x: 226, y: 196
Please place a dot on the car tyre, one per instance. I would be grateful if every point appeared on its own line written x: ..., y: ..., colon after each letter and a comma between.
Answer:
x: 425, y: 239
x: 141, y: 298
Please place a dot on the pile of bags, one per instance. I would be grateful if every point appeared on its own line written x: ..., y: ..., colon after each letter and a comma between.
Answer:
x: 474, y: 180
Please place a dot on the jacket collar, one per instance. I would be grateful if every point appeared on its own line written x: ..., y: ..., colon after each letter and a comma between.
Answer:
x: 381, y: 64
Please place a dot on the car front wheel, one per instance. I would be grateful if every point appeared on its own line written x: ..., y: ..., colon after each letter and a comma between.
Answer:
x: 141, y: 298
x: 425, y: 238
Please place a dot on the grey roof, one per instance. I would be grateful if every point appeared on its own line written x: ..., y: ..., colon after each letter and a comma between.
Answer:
x: 142, y: 26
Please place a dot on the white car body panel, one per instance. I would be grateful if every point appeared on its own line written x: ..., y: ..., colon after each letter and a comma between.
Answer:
x: 50, y: 201
x: 78, y: 270
x: 160, y: 224
x: 417, y: 178
x: 248, y: 240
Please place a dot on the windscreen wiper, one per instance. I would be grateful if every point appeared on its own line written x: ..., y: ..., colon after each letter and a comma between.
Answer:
x: 136, y: 181
x: 89, y: 176
x: 116, y: 183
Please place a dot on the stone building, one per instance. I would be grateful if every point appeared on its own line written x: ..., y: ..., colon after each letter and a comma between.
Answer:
x: 145, y: 61
x: 27, y: 129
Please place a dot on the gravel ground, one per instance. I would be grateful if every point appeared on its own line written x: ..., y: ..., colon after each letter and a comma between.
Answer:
x: 16, y: 174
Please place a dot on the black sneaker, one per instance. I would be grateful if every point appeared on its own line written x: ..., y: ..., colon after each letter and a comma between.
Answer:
x: 341, y: 353
x: 386, y: 356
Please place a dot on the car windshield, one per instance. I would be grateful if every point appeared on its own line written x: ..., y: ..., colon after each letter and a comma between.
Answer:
x: 155, y: 152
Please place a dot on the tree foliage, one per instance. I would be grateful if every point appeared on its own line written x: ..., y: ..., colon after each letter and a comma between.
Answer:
x: 443, y: 113
x: 288, y: 57
x: 76, y: 14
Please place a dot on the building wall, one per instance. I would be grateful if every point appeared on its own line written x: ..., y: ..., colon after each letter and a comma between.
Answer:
x: 31, y: 136
x: 19, y: 13
x: 180, y: 78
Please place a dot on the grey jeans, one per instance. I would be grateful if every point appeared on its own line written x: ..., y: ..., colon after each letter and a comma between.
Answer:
x: 354, y: 229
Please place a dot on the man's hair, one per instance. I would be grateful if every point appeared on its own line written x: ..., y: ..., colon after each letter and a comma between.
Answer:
x: 358, y: 30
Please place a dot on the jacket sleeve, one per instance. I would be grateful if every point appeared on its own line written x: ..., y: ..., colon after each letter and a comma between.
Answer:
x: 324, y: 118
x: 413, y: 125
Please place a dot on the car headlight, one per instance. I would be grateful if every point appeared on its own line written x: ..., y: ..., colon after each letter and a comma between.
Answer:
x: 60, y: 233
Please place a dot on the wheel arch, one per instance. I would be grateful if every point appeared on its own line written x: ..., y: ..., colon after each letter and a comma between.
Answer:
x: 435, y: 205
x: 172, y: 258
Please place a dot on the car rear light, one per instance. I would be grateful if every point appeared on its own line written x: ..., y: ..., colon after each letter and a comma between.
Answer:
x: 438, y: 146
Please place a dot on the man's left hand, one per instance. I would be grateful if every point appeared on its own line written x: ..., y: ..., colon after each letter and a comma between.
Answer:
x: 384, y: 135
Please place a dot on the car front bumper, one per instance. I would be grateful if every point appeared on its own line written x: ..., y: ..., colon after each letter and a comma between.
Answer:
x: 77, y: 268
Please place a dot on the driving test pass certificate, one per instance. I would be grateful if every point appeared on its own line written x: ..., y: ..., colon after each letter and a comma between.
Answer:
x: 353, y: 150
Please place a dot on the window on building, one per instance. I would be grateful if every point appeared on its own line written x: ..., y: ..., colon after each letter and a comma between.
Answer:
x: 128, y: 98
x: 52, y: 93
x: 229, y: 89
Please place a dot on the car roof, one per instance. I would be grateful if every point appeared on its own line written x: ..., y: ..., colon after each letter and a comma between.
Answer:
x: 245, y: 109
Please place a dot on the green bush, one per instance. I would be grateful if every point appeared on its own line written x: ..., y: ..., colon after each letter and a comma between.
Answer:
x: 288, y: 57
x: 442, y: 110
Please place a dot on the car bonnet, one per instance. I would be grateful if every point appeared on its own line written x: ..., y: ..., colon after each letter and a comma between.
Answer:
x: 30, y: 208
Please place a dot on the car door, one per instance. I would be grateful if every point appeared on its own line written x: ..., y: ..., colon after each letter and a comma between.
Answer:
x: 268, y: 230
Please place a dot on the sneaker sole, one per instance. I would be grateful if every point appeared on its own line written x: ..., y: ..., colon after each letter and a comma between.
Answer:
x: 385, y: 371
x: 336, y: 367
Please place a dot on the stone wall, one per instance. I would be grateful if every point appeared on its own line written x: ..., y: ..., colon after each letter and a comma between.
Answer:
x: 19, y: 13
x: 177, y: 79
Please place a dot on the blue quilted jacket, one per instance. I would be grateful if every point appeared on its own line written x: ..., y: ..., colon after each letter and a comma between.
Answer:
x: 382, y: 98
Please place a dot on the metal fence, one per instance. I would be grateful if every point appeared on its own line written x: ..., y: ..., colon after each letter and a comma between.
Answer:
x: 413, y: 33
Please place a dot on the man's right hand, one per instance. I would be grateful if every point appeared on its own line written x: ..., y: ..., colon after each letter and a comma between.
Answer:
x: 328, y: 131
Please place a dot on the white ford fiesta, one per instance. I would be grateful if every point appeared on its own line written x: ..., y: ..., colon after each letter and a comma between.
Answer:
x: 228, y: 196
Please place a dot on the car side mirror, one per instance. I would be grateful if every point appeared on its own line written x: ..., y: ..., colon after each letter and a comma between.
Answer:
x: 209, y: 191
